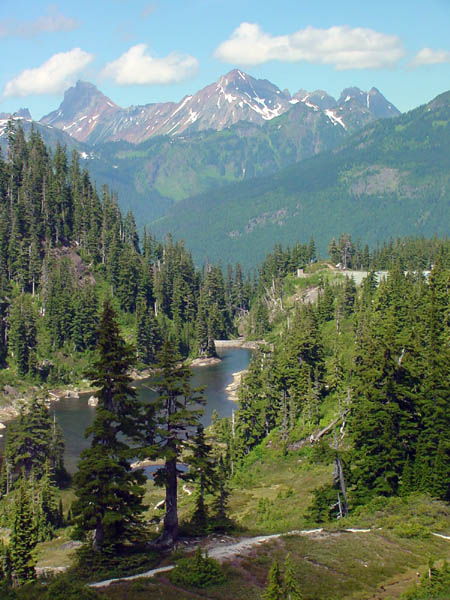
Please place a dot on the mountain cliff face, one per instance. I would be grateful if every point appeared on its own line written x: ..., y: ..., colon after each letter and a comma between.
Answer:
x: 234, y: 97
x: 181, y: 166
x: 353, y: 110
x: 80, y: 110
x: 89, y: 116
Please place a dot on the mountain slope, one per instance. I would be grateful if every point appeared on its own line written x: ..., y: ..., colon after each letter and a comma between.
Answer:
x: 90, y: 116
x: 51, y: 135
x: 392, y: 178
x: 182, y: 166
x: 176, y: 167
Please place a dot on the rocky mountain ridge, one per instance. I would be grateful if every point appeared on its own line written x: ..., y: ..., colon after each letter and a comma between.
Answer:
x: 87, y: 115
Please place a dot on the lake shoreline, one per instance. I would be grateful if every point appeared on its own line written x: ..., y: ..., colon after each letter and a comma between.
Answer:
x: 205, y: 362
x: 15, y: 400
x: 74, y: 416
x: 233, y: 387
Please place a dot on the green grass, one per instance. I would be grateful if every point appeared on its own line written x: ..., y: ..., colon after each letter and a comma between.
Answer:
x: 336, y: 565
x: 272, y: 493
x: 58, y: 552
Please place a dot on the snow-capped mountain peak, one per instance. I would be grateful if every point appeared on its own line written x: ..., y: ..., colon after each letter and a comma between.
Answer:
x: 89, y: 116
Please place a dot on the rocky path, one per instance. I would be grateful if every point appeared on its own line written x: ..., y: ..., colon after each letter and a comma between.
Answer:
x: 226, y: 551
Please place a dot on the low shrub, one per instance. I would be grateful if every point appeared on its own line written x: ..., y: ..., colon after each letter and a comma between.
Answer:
x: 411, y: 529
x: 62, y: 587
x: 199, y: 571
x: 108, y: 565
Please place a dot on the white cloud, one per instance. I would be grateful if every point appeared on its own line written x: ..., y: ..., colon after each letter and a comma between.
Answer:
x: 54, y: 76
x: 341, y: 46
x: 136, y: 66
x: 427, y: 56
x: 51, y: 23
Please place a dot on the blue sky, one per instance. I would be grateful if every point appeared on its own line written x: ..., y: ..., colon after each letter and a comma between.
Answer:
x: 141, y: 51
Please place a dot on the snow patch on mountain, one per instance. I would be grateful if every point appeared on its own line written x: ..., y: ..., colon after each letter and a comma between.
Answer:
x: 335, y: 119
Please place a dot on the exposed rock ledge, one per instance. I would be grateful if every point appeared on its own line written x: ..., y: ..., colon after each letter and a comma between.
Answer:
x: 238, y: 343
x: 146, y: 462
x: 232, y: 388
x: 205, y: 362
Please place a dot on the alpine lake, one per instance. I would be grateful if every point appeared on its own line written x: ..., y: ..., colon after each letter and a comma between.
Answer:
x: 74, y: 415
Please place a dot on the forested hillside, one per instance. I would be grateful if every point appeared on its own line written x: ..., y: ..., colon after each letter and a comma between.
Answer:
x: 391, y: 179
x: 374, y: 360
x: 64, y: 248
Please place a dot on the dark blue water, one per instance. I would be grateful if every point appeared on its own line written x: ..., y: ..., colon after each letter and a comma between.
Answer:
x: 74, y: 415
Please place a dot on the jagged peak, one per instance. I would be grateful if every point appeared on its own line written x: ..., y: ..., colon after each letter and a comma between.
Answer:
x: 85, y: 89
x: 237, y: 74
x: 351, y: 93
x: 22, y: 113
x: 86, y: 84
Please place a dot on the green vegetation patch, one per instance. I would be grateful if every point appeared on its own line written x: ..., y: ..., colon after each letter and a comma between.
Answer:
x: 273, y: 491
x: 199, y: 571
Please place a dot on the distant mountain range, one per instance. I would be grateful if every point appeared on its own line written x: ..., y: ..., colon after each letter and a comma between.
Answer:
x: 233, y: 130
x: 89, y: 116
x: 241, y: 164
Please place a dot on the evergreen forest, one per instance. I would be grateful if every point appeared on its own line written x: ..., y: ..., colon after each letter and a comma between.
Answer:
x: 339, y: 442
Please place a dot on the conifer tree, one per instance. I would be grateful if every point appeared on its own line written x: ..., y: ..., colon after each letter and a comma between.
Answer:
x: 22, y: 541
x: 85, y: 319
x: 274, y: 589
x: 291, y: 588
x: 325, y: 305
x: 202, y: 472
x: 33, y: 440
x: 383, y: 416
x: 347, y: 300
x: 432, y: 465
x: 220, y: 503
x: 128, y: 279
x: 22, y: 334
x: 109, y: 492
x: 204, y: 334
x: 5, y: 565
x: 47, y: 510
x: 176, y: 410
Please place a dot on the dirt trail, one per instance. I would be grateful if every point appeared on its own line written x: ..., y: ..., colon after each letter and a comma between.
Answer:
x: 227, y: 551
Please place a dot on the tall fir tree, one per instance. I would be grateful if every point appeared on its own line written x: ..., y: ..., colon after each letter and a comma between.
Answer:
x: 177, y: 410
x: 109, y: 493
x: 22, y: 541
x: 274, y: 589
x: 203, y: 473
x: 291, y: 588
